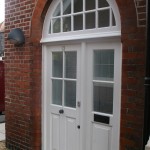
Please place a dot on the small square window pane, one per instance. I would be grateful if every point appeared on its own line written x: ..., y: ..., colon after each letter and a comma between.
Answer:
x: 57, y: 11
x: 90, y: 4
x: 57, y: 92
x: 104, y: 65
x: 103, y: 18
x: 103, y: 98
x: 57, y: 64
x: 90, y: 20
x: 70, y: 64
x: 113, y: 20
x: 70, y: 94
x: 78, y: 22
x: 66, y: 7
x: 102, y: 3
x: 66, y: 24
x: 56, y: 25
x: 78, y: 5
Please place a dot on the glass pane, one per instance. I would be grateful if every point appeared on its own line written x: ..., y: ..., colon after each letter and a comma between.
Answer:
x: 103, y: 98
x: 57, y: 64
x: 78, y: 5
x: 102, y: 3
x: 90, y: 4
x: 66, y: 7
x: 103, y: 18
x: 78, y: 22
x: 70, y: 64
x: 113, y: 19
x: 57, y: 92
x: 56, y: 25
x: 104, y: 65
x: 90, y: 20
x: 66, y: 24
x: 57, y: 11
x: 70, y: 94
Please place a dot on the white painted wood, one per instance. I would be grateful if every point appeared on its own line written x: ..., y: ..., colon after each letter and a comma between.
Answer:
x: 100, y: 137
x: 91, y: 134
x: 71, y: 136
x: 115, y: 117
x: 89, y: 131
x: 90, y: 33
x: 55, y: 122
x: 60, y: 130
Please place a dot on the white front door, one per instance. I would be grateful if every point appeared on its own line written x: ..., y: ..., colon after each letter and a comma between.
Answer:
x: 103, y: 95
x: 63, y: 125
x: 82, y: 96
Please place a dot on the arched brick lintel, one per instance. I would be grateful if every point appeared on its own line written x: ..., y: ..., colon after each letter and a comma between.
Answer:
x: 43, y: 5
x: 128, y: 26
x: 38, y: 19
x: 34, y: 40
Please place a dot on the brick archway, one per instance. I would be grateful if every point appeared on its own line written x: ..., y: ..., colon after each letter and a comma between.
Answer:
x: 38, y: 19
x: 132, y: 41
x: 34, y: 40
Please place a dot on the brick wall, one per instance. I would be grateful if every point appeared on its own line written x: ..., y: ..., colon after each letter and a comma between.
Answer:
x: 19, y: 78
x: 140, y: 6
x: 133, y: 71
x: 23, y: 75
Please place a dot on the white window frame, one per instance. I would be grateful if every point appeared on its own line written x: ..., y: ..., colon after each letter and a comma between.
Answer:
x: 111, y: 31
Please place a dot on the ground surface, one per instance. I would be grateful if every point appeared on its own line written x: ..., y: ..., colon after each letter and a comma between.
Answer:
x: 2, y: 145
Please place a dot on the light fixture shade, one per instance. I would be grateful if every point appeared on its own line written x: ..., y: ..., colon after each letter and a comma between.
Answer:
x: 16, y: 36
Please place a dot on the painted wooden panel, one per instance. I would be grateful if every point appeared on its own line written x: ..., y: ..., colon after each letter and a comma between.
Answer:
x: 55, y: 132
x: 71, y: 134
x: 100, y: 137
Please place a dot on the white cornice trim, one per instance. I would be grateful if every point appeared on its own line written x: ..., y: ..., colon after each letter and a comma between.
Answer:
x: 80, y: 37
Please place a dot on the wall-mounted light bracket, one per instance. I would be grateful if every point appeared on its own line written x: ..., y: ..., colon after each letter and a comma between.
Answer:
x: 16, y: 36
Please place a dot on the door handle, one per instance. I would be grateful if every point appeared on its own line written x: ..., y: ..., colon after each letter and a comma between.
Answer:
x: 61, y: 111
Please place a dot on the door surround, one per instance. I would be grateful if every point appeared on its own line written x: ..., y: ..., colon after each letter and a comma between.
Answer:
x: 109, y: 34
x: 83, y: 104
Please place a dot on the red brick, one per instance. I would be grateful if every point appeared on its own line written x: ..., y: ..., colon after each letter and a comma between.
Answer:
x: 23, y: 74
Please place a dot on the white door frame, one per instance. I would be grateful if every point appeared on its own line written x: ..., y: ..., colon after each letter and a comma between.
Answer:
x: 45, y: 87
x: 115, y: 117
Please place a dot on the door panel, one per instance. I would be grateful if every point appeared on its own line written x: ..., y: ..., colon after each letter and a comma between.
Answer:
x: 100, y: 137
x: 55, y: 129
x: 64, y: 91
x: 82, y: 96
x: 103, y: 101
x: 71, y: 136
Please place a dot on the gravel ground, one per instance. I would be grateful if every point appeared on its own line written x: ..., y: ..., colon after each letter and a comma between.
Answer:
x: 2, y: 145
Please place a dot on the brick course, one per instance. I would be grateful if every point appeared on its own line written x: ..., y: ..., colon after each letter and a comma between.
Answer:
x: 23, y: 74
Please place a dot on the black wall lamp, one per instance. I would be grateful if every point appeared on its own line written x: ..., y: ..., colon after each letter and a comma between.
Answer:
x: 16, y: 36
